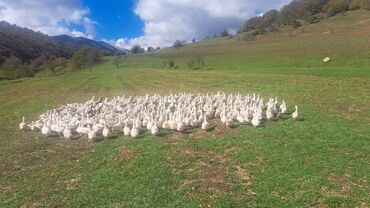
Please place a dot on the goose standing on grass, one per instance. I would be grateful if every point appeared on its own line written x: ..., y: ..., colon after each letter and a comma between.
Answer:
x: 295, y: 114
x: 269, y: 114
x: 256, y: 121
x: 126, y: 129
x: 283, y: 107
x: 229, y: 122
x: 22, y: 125
x: 205, y: 124
x: 91, y: 135
x: 67, y: 132
x: 45, y: 130
x: 82, y: 130
x: 105, y: 132
x: 135, y: 131
x: 154, y: 130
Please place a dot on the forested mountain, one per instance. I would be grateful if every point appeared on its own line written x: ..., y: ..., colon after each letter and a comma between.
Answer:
x: 78, y: 42
x: 28, y: 45
x: 24, y: 52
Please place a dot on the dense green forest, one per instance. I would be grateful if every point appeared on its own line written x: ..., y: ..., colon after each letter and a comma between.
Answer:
x: 24, y: 52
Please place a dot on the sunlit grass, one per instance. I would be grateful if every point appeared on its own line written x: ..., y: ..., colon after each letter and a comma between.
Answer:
x: 320, y: 161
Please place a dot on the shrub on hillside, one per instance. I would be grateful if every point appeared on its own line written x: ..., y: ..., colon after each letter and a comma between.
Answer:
x: 365, y: 4
x: 224, y: 33
x: 296, y: 24
x: 84, y: 58
x: 169, y: 64
x: 315, y: 18
x: 37, y: 65
x: 273, y: 28
x: 14, y: 67
x: 251, y: 24
x: 248, y: 36
x: 136, y: 49
x: 178, y: 44
x: 355, y: 4
x: 337, y: 7
x: 195, y: 62
x: 150, y: 49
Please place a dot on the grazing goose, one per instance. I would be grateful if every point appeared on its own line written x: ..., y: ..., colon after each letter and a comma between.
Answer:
x: 105, y: 132
x: 91, y: 135
x: 135, y: 131
x: 180, y: 126
x: 283, y: 107
x: 295, y: 114
x: 205, y: 124
x: 46, y: 130
x: 22, y: 125
x: 154, y: 130
x: 126, y: 130
x: 256, y: 121
x: 269, y: 114
x: 82, y: 130
x: 67, y: 132
x: 230, y: 122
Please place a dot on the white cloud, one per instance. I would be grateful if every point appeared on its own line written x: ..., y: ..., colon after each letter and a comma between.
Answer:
x: 167, y: 20
x: 52, y: 17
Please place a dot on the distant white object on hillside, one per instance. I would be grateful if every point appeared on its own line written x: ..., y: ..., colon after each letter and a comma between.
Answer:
x: 326, y: 60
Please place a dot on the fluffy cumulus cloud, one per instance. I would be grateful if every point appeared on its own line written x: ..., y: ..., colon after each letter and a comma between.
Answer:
x: 52, y: 17
x: 167, y: 20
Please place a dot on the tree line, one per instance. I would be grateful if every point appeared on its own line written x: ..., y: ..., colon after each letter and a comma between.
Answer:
x: 310, y: 11
x: 24, y: 53
x: 83, y: 58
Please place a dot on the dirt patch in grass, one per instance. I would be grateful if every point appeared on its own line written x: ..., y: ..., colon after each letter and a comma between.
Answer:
x: 204, y: 173
x: 345, y: 185
x: 126, y: 154
x: 74, y: 182
x: 26, y: 160
x: 243, y: 174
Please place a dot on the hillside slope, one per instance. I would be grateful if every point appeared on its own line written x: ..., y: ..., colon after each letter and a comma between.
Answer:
x: 344, y: 38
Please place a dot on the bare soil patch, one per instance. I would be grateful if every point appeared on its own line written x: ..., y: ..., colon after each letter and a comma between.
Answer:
x: 204, y: 172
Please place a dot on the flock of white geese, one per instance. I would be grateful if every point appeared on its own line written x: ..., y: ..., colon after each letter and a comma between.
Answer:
x: 177, y: 112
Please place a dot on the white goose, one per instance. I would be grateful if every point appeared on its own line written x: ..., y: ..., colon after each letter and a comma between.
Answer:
x: 154, y: 130
x: 105, y: 132
x: 256, y: 121
x: 91, y: 135
x: 22, y: 125
x: 205, y: 124
x: 45, y: 130
x: 295, y: 114
x: 126, y: 129
x: 67, y: 132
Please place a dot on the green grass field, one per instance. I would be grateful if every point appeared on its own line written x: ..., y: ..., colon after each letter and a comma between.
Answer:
x: 321, y: 161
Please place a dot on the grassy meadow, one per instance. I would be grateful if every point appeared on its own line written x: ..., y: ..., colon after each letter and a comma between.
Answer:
x: 320, y: 161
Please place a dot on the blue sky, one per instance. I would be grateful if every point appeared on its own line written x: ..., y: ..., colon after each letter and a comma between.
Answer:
x: 124, y: 23
x: 115, y: 19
